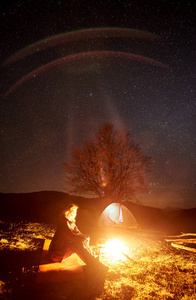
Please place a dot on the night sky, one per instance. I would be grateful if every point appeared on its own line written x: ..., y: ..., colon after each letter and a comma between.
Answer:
x: 69, y: 66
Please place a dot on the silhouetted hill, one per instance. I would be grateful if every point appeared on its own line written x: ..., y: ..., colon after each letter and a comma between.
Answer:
x: 43, y: 206
x: 172, y: 221
x: 46, y: 207
x: 183, y: 220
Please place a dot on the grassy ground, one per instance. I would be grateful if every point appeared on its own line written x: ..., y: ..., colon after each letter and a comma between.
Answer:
x: 153, y: 269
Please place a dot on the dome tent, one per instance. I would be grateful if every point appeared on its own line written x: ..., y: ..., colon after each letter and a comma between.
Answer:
x: 117, y: 214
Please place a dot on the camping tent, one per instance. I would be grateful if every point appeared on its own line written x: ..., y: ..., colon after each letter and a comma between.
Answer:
x: 117, y: 214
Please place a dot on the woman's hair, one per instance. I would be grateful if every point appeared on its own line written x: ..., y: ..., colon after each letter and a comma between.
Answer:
x: 69, y: 210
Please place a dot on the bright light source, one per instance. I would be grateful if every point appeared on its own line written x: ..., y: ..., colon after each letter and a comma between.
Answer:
x: 116, y: 249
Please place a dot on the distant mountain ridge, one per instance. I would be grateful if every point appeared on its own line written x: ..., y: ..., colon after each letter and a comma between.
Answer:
x: 46, y: 206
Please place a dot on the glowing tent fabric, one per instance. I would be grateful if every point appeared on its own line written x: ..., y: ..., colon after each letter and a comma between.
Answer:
x: 117, y: 214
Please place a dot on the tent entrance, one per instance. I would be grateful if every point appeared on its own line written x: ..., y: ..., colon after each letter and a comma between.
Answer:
x: 117, y: 214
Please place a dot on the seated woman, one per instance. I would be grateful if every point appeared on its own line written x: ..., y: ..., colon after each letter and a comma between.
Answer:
x: 68, y: 240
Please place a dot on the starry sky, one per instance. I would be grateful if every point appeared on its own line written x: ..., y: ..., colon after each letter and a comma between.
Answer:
x: 67, y: 67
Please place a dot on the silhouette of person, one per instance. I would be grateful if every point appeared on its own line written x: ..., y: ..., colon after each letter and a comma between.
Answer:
x: 68, y: 240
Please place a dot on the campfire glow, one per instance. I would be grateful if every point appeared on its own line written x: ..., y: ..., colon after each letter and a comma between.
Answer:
x: 116, y: 250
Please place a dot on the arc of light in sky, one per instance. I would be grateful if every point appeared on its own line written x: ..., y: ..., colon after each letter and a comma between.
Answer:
x: 80, y: 56
x: 75, y: 36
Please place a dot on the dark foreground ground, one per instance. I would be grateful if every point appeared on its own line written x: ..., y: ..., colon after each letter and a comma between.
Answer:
x: 153, y: 270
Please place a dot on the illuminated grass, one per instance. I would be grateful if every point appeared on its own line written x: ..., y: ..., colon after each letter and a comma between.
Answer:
x: 155, y: 270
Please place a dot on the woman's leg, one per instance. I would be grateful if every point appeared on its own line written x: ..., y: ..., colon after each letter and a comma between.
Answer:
x: 87, y: 257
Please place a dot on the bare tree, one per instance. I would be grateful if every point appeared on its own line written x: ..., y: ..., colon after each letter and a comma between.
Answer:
x: 111, y: 165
